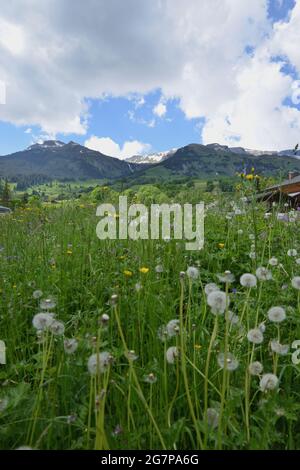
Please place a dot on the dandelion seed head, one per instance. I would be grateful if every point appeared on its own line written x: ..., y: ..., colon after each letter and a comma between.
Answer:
x: 255, y: 336
x: 248, y: 280
x: 268, y: 382
x: 150, y: 378
x: 48, y: 304
x: 211, y: 287
x: 255, y: 368
x: 296, y: 282
x: 172, y: 328
x: 42, y: 321
x: 281, y: 349
x: 159, y: 269
x: 230, y: 363
x: 276, y: 314
x: 292, y: 252
x: 227, y: 277
x: 273, y: 261
x: 217, y: 302
x: 57, y: 328
x: 99, y: 363
x: 212, y: 418
x: 37, y: 294
x: 192, y: 272
x: 70, y: 345
x: 131, y: 355
x: 263, y: 274
x: 172, y: 354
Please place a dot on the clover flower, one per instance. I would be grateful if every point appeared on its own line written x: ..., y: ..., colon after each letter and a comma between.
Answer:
x: 255, y: 336
x: 248, y: 280
x: 230, y: 362
x: 276, y: 314
x: 268, y: 382
x: 255, y: 368
x: 217, y: 301
x: 99, y: 363
x: 172, y: 354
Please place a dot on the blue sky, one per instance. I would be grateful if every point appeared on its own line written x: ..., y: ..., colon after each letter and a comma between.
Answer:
x: 156, y: 117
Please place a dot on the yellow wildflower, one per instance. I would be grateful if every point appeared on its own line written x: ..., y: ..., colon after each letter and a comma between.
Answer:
x: 128, y: 273
x: 144, y: 270
x: 221, y: 245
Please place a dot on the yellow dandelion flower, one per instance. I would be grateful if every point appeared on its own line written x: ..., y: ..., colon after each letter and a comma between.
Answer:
x: 198, y: 347
x: 144, y: 270
x: 249, y: 177
x: 221, y: 245
x: 128, y: 273
x: 69, y: 252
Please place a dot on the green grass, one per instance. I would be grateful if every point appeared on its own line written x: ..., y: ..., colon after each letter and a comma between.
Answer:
x: 49, y: 400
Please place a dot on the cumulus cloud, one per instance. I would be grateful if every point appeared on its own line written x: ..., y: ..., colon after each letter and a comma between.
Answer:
x: 107, y: 146
x: 53, y: 62
x: 160, y: 109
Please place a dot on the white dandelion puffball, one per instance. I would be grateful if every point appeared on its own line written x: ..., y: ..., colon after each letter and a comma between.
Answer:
x: 42, y: 321
x: 37, y: 294
x: 248, y: 280
x: 217, y: 302
x: 252, y: 255
x: 297, y: 261
x: 227, y: 277
x: 251, y: 236
x: 57, y: 328
x: 263, y: 274
x: 233, y: 318
x: 47, y: 304
x: 131, y: 355
x: 255, y: 368
x: 99, y: 363
x: 212, y: 418
x: 159, y: 269
x: 262, y: 327
x: 276, y: 314
x: 240, y: 231
x: 292, y: 252
x: 296, y: 282
x: 172, y: 328
x: 255, y: 336
x: 273, y: 261
x: 172, y: 354
x: 192, y: 272
x: 230, y: 362
x: 211, y: 287
x: 281, y: 349
x: 162, y: 333
x: 268, y: 382
x: 70, y: 345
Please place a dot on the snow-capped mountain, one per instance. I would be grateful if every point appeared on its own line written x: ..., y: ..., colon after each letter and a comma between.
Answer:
x: 152, y: 157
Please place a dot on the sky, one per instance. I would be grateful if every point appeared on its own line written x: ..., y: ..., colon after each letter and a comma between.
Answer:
x: 129, y: 77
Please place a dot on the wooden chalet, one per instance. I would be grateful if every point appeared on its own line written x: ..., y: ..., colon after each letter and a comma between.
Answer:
x: 288, y: 191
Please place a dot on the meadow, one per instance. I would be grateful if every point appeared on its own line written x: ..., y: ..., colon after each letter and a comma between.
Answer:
x: 144, y: 345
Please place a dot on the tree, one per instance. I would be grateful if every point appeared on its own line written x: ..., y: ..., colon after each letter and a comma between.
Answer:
x: 6, y: 194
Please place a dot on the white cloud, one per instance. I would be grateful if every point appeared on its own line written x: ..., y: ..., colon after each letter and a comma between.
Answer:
x: 2, y: 92
x: 160, y: 109
x: 52, y: 62
x: 28, y: 130
x: 107, y: 146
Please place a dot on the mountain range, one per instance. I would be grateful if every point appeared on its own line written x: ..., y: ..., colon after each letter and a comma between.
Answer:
x: 56, y: 160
